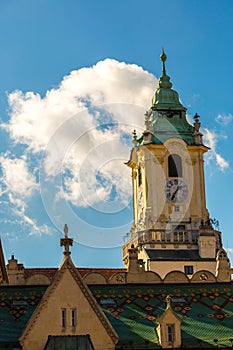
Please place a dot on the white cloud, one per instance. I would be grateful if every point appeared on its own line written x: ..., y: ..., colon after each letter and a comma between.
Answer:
x: 211, y: 140
x: 19, y: 208
x: 73, y: 135
x: 99, y: 170
x: 19, y: 184
x: 17, y: 177
x: 224, y: 119
x: 33, y: 119
x: 223, y: 164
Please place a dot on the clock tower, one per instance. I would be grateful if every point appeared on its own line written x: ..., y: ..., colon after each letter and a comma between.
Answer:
x: 172, y: 230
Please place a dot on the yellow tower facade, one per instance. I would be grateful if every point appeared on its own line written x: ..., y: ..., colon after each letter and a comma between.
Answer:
x: 172, y: 228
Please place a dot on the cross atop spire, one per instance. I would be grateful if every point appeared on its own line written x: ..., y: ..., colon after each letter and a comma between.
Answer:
x: 66, y: 241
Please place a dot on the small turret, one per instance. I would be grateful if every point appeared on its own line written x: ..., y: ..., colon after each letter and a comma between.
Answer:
x: 15, y: 271
x: 223, y: 268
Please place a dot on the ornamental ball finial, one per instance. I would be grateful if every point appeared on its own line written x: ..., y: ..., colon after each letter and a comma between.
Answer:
x: 163, y: 56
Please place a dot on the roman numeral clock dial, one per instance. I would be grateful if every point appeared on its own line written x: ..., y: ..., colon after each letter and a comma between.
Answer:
x: 176, y: 190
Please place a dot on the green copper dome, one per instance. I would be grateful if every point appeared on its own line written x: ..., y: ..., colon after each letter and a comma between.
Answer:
x: 164, y: 96
x: 167, y: 116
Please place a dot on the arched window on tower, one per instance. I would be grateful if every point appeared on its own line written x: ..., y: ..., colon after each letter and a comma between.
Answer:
x: 174, y: 166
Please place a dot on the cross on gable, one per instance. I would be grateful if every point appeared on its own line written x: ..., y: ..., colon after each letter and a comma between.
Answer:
x: 66, y: 241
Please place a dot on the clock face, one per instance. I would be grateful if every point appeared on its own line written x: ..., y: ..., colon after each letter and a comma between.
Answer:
x: 176, y: 190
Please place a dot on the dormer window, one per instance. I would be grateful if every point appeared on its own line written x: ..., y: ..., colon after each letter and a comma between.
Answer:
x: 174, y: 166
x: 170, y: 333
x: 168, y: 329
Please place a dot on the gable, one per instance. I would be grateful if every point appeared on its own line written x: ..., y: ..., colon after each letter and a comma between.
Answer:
x: 68, y: 294
x: 169, y: 316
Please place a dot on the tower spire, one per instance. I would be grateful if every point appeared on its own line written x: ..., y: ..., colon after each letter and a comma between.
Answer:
x: 165, y: 98
x: 164, y: 80
x: 163, y: 58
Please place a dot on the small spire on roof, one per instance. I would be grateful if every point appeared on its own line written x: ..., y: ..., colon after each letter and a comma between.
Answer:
x: 66, y: 241
x: 168, y: 301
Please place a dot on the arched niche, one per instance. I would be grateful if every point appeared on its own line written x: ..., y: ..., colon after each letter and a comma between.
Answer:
x: 118, y: 278
x: 203, y: 276
x: 38, y: 278
x: 176, y: 277
x: 95, y: 278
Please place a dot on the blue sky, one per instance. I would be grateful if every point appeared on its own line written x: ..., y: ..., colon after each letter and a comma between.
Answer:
x: 75, y: 79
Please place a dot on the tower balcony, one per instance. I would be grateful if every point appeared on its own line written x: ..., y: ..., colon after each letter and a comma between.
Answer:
x: 162, y: 239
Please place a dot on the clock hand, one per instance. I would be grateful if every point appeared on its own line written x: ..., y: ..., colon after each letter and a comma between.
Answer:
x: 174, y: 194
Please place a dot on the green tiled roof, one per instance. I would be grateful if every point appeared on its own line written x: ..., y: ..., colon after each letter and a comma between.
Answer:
x: 16, y: 307
x: 206, y: 311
